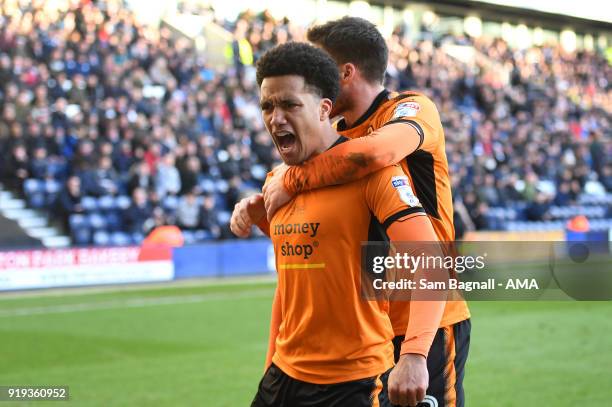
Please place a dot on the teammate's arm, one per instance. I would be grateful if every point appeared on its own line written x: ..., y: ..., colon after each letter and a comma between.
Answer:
x: 355, y: 158
x: 343, y: 163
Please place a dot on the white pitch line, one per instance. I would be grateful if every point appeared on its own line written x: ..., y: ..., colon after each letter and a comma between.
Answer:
x: 115, y: 288
x: 135, y: 303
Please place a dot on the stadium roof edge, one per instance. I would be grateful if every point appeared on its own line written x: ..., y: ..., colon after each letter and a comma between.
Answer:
x: 500, y: 13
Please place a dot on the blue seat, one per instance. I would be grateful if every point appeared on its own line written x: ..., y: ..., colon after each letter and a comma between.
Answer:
x: 52, y: 190
x: 137, y: 238
x: 89, y: 203
x: 97, y: 221
x: 222, y: 186
x: 101, y: 238
x: 120, y: 239
x: 31, y: 185
x: 34, y: 191
x: 122, y: 202
x: 106, y: 203
x: 170, y: 203
x: 114, y: 221
x: 202, y: 235
x: 189, y: 237
x: 207, y: 185
x: 223, y: 217
x: 79, y: 229
x: 76, y: 220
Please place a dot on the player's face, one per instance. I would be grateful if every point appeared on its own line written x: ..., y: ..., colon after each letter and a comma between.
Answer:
x: 293, y: 116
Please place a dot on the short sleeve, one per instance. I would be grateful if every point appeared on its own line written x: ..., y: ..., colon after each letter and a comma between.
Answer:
x: 390, y: 196
x: 419, y: 112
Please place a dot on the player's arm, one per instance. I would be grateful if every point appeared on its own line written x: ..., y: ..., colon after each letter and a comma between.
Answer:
x: 248, y: 212
x: 409, y: 379
x: 391, y: 198
x: 275, y: 321
x: 425, y: 314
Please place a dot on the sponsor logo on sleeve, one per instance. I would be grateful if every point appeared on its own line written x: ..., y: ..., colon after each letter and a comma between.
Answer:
x: 407, y: 109
x: 404, y: 190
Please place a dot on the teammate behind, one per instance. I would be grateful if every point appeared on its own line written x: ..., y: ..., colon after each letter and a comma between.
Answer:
x: 386, y: 128
x: 332, y: 346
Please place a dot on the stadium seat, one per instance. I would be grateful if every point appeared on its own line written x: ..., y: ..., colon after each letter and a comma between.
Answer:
x: 52, y: 190
x: 189, y: 237
x: 114, y: 221
x: 137, y: 238
x: 89, y: 203
x: 101, y: 238
x: 120, y: 239
x: 106, y: 203
x: 123, y: 202
x: 97, y: 221
x: 79, y: 229
x: 170, y: 203
x: 34, y: 192
x: 207, y: 185
x: 223, y: 217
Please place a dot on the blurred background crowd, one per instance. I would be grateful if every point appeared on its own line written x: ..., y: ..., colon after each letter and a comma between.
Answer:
x: 125, y: 126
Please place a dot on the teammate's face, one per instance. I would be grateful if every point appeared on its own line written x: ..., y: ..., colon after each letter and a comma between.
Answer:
x: 294, y: 116
x: 343, y: 102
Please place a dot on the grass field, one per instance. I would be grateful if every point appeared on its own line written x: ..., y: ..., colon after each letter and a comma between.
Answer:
x: 203, y: 344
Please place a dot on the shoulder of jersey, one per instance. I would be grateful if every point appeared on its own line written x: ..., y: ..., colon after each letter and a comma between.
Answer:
x: 406, y: 94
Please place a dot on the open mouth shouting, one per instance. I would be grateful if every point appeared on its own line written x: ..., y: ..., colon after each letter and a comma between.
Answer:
x: 286, y: 143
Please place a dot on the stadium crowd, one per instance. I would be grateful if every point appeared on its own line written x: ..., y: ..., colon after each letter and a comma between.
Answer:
x: 106, y: 107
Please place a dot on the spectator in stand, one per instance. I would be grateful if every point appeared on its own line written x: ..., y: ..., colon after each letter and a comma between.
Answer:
x: 167, y: 179
x: 190, y: 175
x: 140, y: 177
x: 139, y: 213
x: 69, y: 200
x: 86, y: 79
x: 39, y: 165
x: 188, y: 211
x: 207, y: 219
x: 123, y: 158
x: 16, y: 169
x: 104, y: 179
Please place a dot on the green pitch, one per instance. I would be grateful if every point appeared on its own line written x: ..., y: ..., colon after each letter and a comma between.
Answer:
x: 203, y: 344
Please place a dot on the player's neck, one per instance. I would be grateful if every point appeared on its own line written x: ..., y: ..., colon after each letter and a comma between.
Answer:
x: 329, y: 137
x: 362, y: 97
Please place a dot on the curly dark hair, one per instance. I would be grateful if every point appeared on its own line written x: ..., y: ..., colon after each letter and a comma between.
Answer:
x: 318, y: 69
x: 354, y: 40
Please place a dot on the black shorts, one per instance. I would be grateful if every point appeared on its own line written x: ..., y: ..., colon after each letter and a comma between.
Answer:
x: 277, y: 389
x: 446, y: 366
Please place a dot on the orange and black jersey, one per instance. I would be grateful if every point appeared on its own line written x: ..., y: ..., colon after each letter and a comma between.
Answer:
x: 427, y: 168
x: 328, y: 333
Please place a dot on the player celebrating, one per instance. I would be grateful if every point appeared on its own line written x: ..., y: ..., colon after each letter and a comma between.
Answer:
x: 333, y: 348
x: 386, y: 128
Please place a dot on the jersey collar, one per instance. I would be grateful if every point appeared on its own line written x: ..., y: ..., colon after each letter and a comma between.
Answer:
x: 379, y: 100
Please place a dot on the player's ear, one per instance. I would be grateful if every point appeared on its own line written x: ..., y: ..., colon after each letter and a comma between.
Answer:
x: 325, y: 108
x: 347, y: 72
